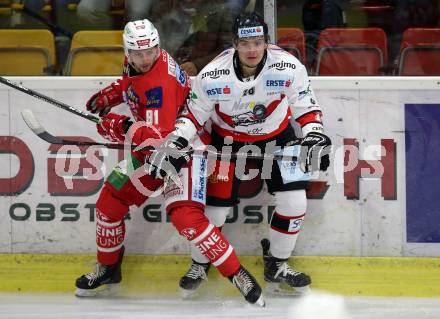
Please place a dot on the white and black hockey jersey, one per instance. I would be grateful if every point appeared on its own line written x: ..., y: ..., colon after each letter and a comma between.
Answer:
x: 257, y: 109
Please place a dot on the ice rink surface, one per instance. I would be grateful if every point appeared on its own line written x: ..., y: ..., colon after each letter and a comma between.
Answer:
x: 63, y: 306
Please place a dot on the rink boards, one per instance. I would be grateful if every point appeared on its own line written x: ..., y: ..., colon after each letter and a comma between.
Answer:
x: 159, y: 275
x: 385, y: 132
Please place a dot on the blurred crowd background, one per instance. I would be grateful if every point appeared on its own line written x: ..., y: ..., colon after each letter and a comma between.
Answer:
x: 331, y: 37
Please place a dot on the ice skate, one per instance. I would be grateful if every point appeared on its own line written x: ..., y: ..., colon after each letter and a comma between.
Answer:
x: 193, y: 278
x: 248, y: 287
x: 281, y: 279
x: 104, y: 281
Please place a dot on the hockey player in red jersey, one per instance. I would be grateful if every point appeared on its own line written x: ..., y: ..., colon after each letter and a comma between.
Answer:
x: 156, y: 89
x: 250, y: 93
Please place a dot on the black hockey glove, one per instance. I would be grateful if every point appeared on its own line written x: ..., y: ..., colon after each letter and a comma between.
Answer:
x: 168, y: 159
x: 315, y: 152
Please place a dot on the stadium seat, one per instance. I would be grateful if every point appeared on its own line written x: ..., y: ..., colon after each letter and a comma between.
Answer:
x: 7, y: 7
x: 96, y: 53
x: 351, y: 51
x: 26, y: 52
x: 292, y: 40
x: 379, y: 14
x: 420, y: 52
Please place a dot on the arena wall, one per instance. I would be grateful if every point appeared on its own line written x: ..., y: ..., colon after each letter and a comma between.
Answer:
x: 377, y: 199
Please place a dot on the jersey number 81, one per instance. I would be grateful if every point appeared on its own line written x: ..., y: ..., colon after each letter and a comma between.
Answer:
x: 152, y: 117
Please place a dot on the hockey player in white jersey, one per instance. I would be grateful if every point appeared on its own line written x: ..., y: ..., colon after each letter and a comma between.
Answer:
x: 250, y: 93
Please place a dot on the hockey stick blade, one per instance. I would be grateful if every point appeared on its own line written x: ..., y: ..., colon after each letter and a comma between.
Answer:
x: 35, y: 126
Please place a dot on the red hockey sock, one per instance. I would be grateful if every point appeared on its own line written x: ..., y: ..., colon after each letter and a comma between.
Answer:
x: 192, y: 223
x: 110, y: 236
x: 110, y: 226
x: 218, y: 250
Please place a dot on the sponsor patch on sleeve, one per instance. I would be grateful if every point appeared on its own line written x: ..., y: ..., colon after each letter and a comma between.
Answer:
x: 180, y: 75
x: 171, y: 66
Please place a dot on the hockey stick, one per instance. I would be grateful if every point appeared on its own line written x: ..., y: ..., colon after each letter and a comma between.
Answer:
x: 36, y: 127
x: 49, y: 100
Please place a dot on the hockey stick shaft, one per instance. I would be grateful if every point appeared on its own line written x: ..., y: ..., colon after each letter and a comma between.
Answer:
x: 36, y: 127
x: 49, y: 100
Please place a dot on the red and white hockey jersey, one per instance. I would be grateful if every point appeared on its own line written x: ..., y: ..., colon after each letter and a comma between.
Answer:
x: 257, y: 109
x: 154, y: 97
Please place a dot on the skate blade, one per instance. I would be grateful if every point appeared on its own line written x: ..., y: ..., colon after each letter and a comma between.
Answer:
x: 189, y: 294
x: 260, y: 302
x: 193, y: 293
x: 107, y: 290
x: 282, y: 289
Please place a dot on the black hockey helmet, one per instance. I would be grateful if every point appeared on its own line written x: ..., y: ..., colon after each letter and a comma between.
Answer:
x: 249, y: 24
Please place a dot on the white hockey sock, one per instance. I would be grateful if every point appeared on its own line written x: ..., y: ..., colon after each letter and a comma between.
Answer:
x: 286, y: 222
x: 281, y: 245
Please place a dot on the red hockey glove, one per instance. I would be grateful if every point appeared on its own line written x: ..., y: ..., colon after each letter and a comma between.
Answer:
x: 104, y: 100
x: 113, y: 127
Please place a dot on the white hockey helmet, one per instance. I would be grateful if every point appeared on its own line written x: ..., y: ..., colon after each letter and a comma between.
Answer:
x: 140, y: 35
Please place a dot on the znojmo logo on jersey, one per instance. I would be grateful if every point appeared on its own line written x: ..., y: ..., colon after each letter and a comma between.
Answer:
x: 250, y: 32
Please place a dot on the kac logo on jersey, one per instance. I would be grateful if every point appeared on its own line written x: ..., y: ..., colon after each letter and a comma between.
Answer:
x: 130, y: 97
x: 154, y: 98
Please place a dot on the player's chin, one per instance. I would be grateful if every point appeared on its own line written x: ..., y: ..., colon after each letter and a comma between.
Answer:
x: 252, y: 62
x: 145, y: 68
